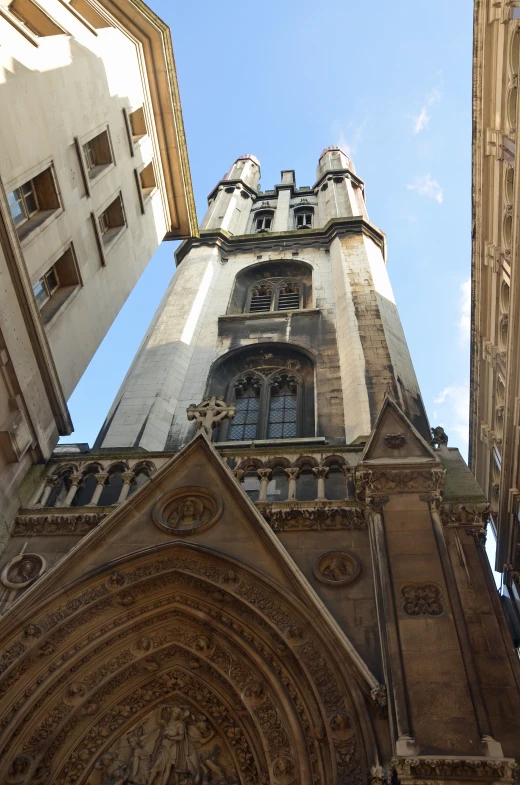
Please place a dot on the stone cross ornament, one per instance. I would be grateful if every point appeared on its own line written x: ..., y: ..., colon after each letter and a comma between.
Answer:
x: 210, y: 413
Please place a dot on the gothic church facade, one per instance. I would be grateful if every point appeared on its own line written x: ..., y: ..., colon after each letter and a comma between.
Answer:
x: 265, y: 571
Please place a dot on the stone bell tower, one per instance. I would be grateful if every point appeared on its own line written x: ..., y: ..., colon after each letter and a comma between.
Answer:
x: 230, y: 294
x: 266, y: 571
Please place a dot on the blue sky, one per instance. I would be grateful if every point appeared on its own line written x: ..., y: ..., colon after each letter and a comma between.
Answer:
x: 389, y: 81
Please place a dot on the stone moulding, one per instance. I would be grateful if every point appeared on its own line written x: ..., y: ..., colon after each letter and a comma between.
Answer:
x: 465, y: 514
x: 469, y: 769
x: 78, y: 523
x: 369, y: 481
x: 321, y: 518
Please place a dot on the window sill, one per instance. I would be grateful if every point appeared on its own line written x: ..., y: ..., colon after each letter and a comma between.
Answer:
x: 95, y: 174
x: 57, y: 305
x: 29, y: 230
x: 310, y: 440
x: 270, y: 314
x: 110, y: 238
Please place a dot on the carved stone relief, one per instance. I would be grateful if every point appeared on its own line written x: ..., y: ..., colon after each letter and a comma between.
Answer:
x: 395, y: 440
x: 337, y: 568
x: 315, y: 518
x: 187, y: 510
x: 422, y: 599
x: 23, y: 570
x: 171, y: 745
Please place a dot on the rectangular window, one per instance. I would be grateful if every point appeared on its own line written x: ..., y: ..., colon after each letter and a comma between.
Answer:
x: 147, y: 180
x: 33, y: 202
x: 98, y: 154
x: 137, y: 124
x: 34, y: 18
x: 112, y: 220
x: 55, y: 287
x: 89, y: 13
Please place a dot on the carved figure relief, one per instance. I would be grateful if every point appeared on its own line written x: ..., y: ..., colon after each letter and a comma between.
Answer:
x: 337, y: 567
x: 23, y: 570
x: 283, y: 770
x: 422, y: 599
x: 187, y: 510
x: 18, y: 769
x: 395, y: 440
x: 254, y: 693
x: 172, y: 745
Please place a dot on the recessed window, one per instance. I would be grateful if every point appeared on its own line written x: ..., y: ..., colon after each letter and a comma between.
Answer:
x: 263, y: 222
x: 34, y: 18
x: 55, y: 287
x: 98, y: 154
x: 147, y: 180
x: 283, y: 408
x: 112, y: 220
x: 89, y: 13
x: 31, y: 203
x: 137, y: 124
x: 303, y: 219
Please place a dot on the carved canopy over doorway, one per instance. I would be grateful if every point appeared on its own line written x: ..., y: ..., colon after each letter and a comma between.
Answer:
x: 174, y: 666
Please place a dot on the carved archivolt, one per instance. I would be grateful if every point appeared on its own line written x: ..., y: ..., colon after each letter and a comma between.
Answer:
x: 179, y: 645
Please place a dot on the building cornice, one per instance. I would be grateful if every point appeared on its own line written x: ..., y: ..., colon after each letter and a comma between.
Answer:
x: 279, y: 241
x: 139, y: 22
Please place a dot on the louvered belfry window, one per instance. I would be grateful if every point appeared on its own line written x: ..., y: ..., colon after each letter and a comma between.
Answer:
x: 289, y: 297
x: 247, y: 402
x: 275, y: 294
x: 283, y: 409
x: 261, y: 298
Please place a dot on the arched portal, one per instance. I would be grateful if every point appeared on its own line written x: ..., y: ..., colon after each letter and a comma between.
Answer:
x: 179, y: 665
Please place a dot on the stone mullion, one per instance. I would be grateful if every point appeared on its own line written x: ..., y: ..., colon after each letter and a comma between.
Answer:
x: 398, y: 710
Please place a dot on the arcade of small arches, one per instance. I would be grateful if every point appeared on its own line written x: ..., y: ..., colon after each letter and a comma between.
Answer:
x: 306, y: 479
x: 73, y: 485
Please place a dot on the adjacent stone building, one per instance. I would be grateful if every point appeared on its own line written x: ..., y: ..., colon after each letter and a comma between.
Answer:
x: 93, y: 175
x: 266, y: 571
x: 494, y: 454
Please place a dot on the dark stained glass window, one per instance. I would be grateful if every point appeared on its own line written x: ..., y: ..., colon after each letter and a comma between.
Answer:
x: 282, y: 412
x: 243, y: 425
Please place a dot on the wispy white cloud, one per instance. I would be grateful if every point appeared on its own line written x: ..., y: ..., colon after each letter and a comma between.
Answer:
x: 421, y: 120
x: 465, y: 312
x: 452, y: 413
x: 356, y: 137
x: 427, y: 186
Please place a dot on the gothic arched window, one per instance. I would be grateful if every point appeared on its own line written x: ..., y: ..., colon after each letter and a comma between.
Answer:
x: 272, y: 387
x: 244, y: 425
x: 283, y: 410
x: 275, y: 294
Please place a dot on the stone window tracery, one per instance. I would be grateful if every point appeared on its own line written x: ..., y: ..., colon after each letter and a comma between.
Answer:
x: 263, y: 221
x: 267, y: 406
x: 303, y: 218
x: 283, y: 412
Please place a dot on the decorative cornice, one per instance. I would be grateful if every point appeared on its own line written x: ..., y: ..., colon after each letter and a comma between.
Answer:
x: 377, y: 481
x: 73, y: 523
x: 459, y: 768
x: 273, y: 241
x: 317, y: 518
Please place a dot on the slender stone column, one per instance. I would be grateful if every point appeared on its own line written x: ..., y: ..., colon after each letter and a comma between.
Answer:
x: 75, y: 480
x: 127, y: 478
x: 320, y: 472
x: 293, y: 476
x: 101, y: 480
x: 265, y: 476
x: 349, y: 482
x: 50, y: 483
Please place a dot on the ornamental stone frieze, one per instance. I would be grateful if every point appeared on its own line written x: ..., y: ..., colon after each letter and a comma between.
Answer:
x: 433, y: 769
x: 28, y: 525
x: 370, y: 481
x: 313, y: 517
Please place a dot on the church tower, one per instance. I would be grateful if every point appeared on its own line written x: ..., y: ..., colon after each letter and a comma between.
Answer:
x: 266, y: 571
x: 292, y: 280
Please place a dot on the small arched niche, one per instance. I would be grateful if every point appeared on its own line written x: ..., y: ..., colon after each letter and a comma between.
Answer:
x: 272, y: 286
x: 272, y: 386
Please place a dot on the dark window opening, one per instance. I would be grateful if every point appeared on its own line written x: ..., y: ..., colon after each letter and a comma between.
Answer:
x: 304, y: 220
x: 263, y: 222
x: 31, y: 203
x: 283, y: 409
x: 245, y: 422
x: 98, y: 154
x: 112, y: 220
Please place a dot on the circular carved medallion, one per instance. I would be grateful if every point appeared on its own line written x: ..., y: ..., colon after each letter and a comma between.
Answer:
x: 23, y: 570
x: 185, y: 511
x: 336, y: 568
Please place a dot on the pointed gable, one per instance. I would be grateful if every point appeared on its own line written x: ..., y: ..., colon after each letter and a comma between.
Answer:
x: 395, y: 438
